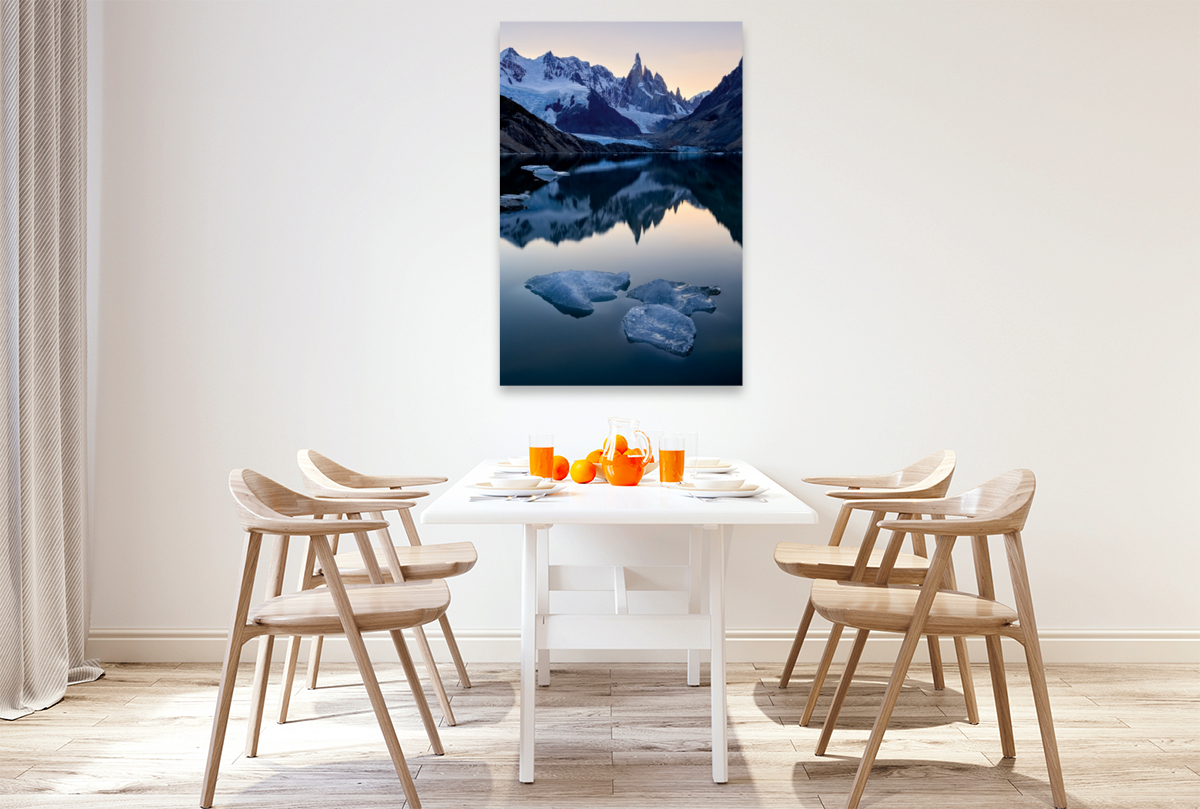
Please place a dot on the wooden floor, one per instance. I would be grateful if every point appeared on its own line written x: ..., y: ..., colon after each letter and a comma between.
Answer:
x: 610, y: 736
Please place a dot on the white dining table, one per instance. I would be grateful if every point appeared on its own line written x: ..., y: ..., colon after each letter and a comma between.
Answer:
x: 598, y: 503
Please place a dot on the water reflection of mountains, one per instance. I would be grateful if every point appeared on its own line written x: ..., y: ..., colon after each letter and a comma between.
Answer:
x: 600, y: 193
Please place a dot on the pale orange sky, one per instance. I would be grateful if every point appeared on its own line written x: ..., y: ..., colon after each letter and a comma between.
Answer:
x: 693, y: 56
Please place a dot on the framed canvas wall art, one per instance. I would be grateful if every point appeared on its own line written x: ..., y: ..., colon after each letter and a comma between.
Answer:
x: 621, y: 203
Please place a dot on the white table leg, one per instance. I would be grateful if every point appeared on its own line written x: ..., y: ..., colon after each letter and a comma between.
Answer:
x: 695, y: 568
x: 543, y: 598
x: 716, y: 608
x: 528, y: 650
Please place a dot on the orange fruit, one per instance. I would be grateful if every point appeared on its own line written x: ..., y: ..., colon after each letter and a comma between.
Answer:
x: 634, y: 451
x: 583, y: 471
x: 595, y: 455
x: 622, y: 445
x: 559, y: 467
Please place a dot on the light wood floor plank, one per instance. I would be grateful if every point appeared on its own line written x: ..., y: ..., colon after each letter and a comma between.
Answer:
x: 610, y: 737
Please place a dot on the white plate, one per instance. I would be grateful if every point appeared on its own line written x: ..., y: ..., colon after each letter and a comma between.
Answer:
x: 498, y: 488
x: 711, y: 470
x: 747, y: 490
x: 723, y: 483
x: 710, y: 465
x: 509, y: 466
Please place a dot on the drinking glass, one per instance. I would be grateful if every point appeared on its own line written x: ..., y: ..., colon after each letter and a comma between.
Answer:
x: 541, y: 455
x: 672, y: 454
x: 691, y: 453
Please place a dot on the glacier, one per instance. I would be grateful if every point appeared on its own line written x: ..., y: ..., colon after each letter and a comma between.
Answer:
x: 678, y: 295
x: 660, y: 326
x: 573, y: 292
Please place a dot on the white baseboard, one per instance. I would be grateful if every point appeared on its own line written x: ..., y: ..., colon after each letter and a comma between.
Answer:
x: 742, y: 646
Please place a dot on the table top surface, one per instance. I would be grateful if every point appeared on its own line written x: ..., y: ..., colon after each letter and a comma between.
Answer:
x: 598, y: 503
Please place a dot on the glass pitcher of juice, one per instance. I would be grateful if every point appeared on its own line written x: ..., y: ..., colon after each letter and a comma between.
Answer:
x: 627, y: 451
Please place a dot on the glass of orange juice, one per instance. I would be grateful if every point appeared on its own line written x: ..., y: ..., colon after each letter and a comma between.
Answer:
x: 671, y: 448
x: 541, y: 455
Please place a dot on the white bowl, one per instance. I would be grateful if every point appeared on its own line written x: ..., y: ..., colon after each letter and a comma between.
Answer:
x: 515, y: 461
x: 522, y: 482
x: 703, y: 462
x: 722, y: 483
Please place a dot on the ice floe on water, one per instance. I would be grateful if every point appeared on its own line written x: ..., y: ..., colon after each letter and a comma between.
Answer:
x: 573, y: 292
x: 680, y: 296
x: 546, y: 173
x: 513, y: 202
x: 662, y: 327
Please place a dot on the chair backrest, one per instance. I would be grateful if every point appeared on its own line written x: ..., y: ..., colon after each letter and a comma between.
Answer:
x: 1003, y: 501
x: 999, y: 506
x: 935, y: 468
x: 328, y: 473
x: 266, y: 507
x: 324, y: 477
x: 928, y: 477
x: 260, y: 500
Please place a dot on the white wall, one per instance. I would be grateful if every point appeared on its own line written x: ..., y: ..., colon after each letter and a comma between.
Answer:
x: 967, y: 224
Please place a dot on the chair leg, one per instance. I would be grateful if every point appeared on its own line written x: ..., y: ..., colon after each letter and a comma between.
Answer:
x: 314, y: 661
x: 367, y: 672
x: 414, y: 684
x: 233, y: 651
x: 835, y: 634
x: 1037, y: 669
x: 912, y: 638
x: 935, y: 662
x: 895, y: 685
x: 258, y: 694
x: 839, y: 697
x: 220, y: 722
x: 374, y: 693
x: 1008, y: 742
x: 964, y: 658
x: 968, y: 682
x: 464, y: 679
x: 289, y: 676
x: 262, y: 666
x: 293, y: 650
x: 935, y: 648
x: 434, y: 676
x: 790, y: 663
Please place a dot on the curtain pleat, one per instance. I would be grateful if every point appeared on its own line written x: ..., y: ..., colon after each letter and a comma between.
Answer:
x: 43, y: 575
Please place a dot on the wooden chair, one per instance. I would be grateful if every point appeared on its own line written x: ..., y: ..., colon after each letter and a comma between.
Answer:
x: 998, y: 507
x: 928, y: 477
x: 264, y: 507
x: 406, y: 563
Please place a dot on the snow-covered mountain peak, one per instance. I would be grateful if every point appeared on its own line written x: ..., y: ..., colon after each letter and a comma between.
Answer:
x: 549, y: 84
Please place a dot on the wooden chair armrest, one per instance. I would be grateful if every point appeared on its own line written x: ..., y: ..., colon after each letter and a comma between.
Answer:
x: 879, y: 494
x: 310, y: 528
x: 855, y: 481
x: 370, y: 494
x: 349, y: 505
x: 949, y: 528
x: 397, y: 481
x: 915, y: 505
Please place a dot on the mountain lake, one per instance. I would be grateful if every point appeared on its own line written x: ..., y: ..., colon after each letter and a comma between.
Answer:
x: 670, y: 216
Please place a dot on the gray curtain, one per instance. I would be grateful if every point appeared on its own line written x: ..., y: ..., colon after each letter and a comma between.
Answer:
x: 43, y: 495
